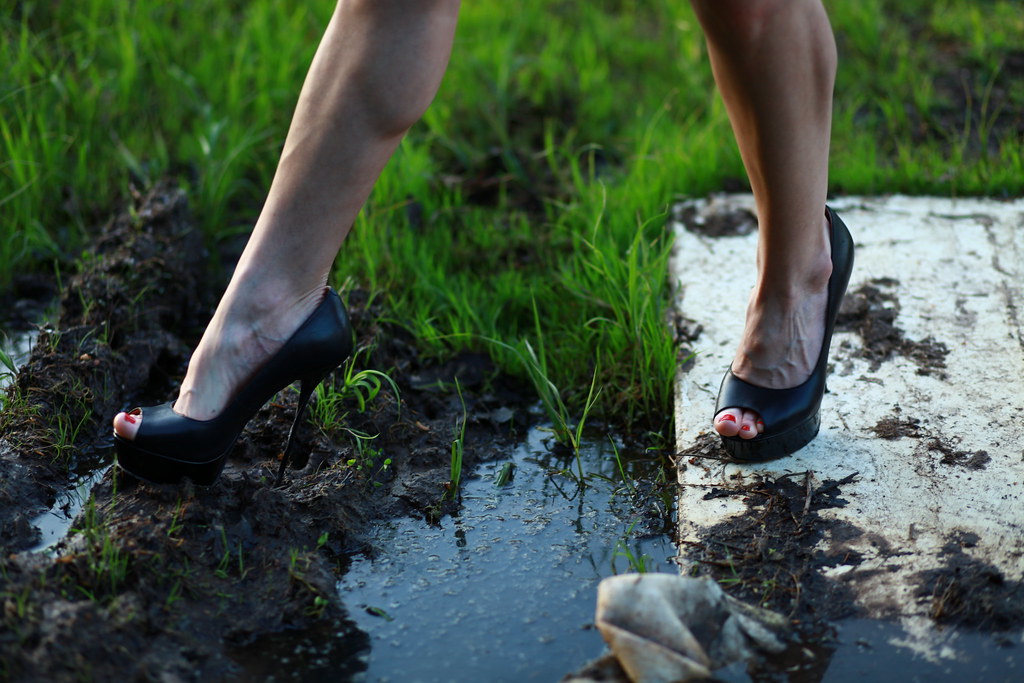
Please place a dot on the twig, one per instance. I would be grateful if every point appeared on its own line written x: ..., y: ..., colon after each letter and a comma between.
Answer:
x: 807, y: 499
x: 799, y: 592
x: 836, y: 484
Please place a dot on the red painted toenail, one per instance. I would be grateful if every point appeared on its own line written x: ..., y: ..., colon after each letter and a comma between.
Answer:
x: 727, y: 418
x: 129, y: 417
x: 745, y: 428
x: 760, y: 423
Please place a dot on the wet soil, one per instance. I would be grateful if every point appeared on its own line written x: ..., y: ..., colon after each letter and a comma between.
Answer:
x: 717, y: 219
x: 971, y: 593
x: 934, y: 448
x: 769, y: 555
x: 774, y: 556
x: 180, y: 582
x: 25, y: 301
x: 871, y: 311
x: 136, y: 292
x: 777, y: 552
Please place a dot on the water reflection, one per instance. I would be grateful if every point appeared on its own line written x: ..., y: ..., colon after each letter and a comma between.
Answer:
x: 506, y: 589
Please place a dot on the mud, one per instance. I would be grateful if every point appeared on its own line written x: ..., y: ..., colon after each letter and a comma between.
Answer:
x: 768, y: 556
x: 871, y: 312
x: 949, y: 455
x: 933, y: 447
x: 971, y: 593
x: 718, y: 219
x: 775, y: 552
x: 137, y: 290
x: 772, y: 556
x: 178, y: 582
x: 25, y: 301
x: 896, y: 427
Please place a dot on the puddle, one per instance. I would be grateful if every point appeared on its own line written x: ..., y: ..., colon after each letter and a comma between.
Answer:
x: 506, y: 590
x: 880, y: 651
x: 54, y: 524
x: 16, y: 347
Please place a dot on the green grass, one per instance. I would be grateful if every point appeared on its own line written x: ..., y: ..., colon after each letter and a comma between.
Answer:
x: 537, y: 186
x: 106, y: 563
x: 455, y: 462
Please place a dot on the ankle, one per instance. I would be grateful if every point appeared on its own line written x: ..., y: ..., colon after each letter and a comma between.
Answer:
x: 789, y: 291
x: 794, y: 271
x: 252, y: 299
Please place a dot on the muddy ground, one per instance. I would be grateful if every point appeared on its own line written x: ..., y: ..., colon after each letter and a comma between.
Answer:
x: 180, y: 582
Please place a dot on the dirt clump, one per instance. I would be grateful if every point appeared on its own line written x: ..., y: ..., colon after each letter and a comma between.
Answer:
x: 871, y: 312
x: 718, y: 219
x: 768, y: 556
x: 971, y: 460
x: 969, y: 592
x: 895, y: 427
x: 118, y: 325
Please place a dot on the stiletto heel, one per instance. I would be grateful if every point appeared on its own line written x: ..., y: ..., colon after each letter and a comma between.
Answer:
x: 306, y: 388
x: 792, y: 416
x: 169, y: 446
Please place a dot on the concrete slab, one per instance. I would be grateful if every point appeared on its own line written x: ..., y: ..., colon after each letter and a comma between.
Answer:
x: 938, y: 452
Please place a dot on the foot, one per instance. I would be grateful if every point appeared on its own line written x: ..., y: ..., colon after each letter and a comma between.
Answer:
x: 247, y: 329
x: 782, y: 338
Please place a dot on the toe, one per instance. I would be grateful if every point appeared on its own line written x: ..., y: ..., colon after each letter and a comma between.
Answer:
x: 748, y: 425
x: 126, y: 425
x: 727, y: 422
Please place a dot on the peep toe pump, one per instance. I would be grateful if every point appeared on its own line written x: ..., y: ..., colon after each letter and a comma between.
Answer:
x: 792, y: 416
x: 169, y: 446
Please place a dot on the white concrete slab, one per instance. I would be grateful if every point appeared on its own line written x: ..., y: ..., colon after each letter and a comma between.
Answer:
x: 958, y: 269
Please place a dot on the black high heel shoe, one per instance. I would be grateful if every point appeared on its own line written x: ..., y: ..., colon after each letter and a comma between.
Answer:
x: 169, y: 446
x: 793, y: 415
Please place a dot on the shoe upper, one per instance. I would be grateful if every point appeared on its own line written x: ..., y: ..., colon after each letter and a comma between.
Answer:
x: 320, y: 344
x: 783, y: 409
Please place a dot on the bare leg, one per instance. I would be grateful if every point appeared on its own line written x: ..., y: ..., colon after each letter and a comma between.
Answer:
x: 774, y: 62
x: 376, y: 70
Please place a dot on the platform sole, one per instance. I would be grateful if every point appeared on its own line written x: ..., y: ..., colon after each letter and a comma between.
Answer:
x: 161, y: 469
x: 764, y: 448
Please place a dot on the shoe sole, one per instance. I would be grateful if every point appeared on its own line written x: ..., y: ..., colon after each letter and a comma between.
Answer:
x: 777, y: 445
x: 157, y: 468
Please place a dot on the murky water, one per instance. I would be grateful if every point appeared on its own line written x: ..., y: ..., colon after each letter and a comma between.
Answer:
x: 55, y: 523
x: 889, y: 652
x: 884, y: 651
x: 505, y: 591
x: 17, y: 347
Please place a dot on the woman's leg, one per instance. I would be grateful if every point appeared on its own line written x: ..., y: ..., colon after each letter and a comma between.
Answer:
x: 774, y: 62
x: 376, y: 70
